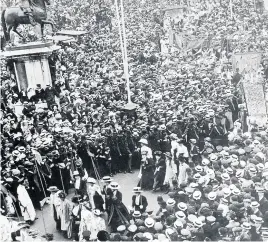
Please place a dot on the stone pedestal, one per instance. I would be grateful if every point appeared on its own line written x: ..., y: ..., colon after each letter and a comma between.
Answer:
x: 31, y: 63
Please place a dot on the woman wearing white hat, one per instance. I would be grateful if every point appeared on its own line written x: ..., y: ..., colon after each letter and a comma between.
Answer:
x: 87, y: 219
x: 144, y: 147
x: 55, y: 204
x: 26, y: 205
x: 118, y: 213
x: 98, y: 225
x: 94, y: 194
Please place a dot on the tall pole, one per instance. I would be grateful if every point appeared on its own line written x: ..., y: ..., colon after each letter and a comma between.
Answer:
x: 119, y: 29
x: 231, y: 8
x: 125, y: 51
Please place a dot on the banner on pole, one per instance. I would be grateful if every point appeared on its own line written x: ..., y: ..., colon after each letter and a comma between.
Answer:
x: 247, y: 62
x: 174, y: 11
x: 255, y: 101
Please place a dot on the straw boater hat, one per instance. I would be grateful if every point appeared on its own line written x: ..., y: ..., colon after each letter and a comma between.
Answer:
x: 136, y: 214
x: 149, y: 222
x: 137, y: 190
x: 114, y: 185
x: 182, y: 206
x: 171, y: 202
x: 107, y: 179
x: 91, y: 180
x: 246, y: 226
x: 53, y: 189
x: 143, y: 141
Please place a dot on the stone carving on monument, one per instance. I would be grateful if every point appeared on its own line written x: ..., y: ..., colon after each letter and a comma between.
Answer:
x: 29, y: 57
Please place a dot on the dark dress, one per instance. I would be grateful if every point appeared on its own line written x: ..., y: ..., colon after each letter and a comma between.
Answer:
x: 147, y: 170
x: 118, y: 213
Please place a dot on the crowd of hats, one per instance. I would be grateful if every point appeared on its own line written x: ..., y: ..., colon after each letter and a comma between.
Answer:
x: 224, y: 190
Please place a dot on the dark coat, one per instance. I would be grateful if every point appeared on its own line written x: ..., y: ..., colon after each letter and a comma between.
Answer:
x: 211, y: 231
x: 123, y: 145
x: 50, y: 94
x: 142, y: 201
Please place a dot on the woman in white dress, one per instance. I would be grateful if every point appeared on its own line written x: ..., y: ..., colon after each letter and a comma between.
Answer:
x: 26, y: 205
x: 87, y: 218
x: 171, y: 169
x: 98, y: 225
x: 65, y: 213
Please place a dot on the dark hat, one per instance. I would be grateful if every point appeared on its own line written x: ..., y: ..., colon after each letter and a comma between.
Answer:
x: 62, y: 195
x: 103, y: 235
x: 160, y: 198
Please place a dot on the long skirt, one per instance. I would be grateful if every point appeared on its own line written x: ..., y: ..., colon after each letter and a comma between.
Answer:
x: 147, y: 178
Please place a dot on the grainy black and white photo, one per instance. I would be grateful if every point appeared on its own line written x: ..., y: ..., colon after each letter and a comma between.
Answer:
x: 134, y: 120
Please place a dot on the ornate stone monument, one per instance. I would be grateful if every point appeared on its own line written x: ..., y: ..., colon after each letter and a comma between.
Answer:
x: 28, y: 56
x: 31, y: 63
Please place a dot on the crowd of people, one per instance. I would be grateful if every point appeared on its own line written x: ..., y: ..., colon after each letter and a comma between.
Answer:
x: 189, y: 135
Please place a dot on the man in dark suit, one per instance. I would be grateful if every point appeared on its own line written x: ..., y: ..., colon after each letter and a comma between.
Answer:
x: 262, y: 200
x: 79, y: 184
x: 160, y: 170
x: 211, y: 228
x: 139, y: 202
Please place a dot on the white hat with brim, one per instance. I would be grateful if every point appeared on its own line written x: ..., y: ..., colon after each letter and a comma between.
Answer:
x: 246, y: 226
x: 53, y: 189
x: 114, y: 185
x: 143, y: 141
x: 198, y: 223
x: 91, y: 180
x: 107, y: 179
x: 149, y: 222
x: 137, y: 190
x: 212, y: 195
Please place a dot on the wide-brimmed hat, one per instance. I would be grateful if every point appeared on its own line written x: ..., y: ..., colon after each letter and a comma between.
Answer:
x: 197, y: 195
x: 149, y: 222
x: 254, y: 204
x: 91, y: 180
x: 198, y: 223
x: 180, y: 215
x: 53, y: 189
x: 107, y: 179
x: 143, y: 141
x: 225, y: 176
x: 182, y: 206
x: 121, y: 228
x: 212, y: 195
x: 171, y: 202
x: 137, y: 190
x: 136, y: 214
x: 21, y: 149
x: 132, y: 228
x: 114, y: 185
x: 246, y: 226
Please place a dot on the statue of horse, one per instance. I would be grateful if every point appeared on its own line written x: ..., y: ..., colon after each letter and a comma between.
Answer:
x: 12, y: 17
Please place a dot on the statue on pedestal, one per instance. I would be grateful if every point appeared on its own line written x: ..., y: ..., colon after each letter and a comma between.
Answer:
x: 29, y: 12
